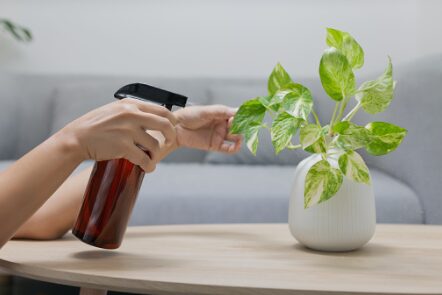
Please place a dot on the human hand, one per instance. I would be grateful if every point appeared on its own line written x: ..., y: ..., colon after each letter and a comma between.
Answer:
x: 118, y: 130
x: 207, y: 128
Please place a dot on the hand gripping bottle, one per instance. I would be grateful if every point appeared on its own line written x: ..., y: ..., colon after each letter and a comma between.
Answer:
x: 114, y: 184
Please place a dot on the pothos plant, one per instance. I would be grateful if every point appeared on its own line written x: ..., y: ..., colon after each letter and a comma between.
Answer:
x: 291, y: 107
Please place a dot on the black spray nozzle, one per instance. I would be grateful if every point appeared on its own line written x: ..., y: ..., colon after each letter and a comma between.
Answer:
x: 150, y: 93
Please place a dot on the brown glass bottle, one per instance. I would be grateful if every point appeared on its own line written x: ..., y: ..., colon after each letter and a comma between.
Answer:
x: 113, y: 186
x: 108, y: 202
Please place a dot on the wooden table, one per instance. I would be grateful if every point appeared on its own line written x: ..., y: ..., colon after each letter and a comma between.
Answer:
x: 236, y: 259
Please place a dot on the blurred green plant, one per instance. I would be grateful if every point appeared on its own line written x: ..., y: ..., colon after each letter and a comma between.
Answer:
x: 290, y: 105
x: 18, y: 32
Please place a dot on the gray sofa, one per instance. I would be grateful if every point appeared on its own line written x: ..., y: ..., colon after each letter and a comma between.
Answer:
x: 197, y: 187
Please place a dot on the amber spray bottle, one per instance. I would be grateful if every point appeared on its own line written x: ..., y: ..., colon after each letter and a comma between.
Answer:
x: 114, y: 184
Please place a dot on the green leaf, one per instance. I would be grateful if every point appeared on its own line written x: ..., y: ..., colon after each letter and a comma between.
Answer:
x: 318, y: 147
x: 271, y: 102
x: 353, y: 166
x: 309, y: 135
x: 345, y: 43
x: 283, y: 129
x: 248, y: 120
x: 251, y: 137
x: 336, y: 74
x: 321, y: 183
x: 384, y: 137
x: 297, y: 100
x: 350, y: 136
x: 375, y: 96
x: 312, y: 138
x: 249, y: 113
x: 278, y: 79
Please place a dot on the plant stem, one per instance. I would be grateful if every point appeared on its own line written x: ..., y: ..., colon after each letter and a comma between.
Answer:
x: 265, y: 126
x: 353, y: 112
x: 330, y: 132
x: 316, y: 118
x: 334, y: 114
x: 342, y: 109
x: 293, y: 147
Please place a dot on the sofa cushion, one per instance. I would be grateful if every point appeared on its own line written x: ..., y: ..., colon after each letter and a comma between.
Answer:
x: 33, y: 96
x: 194, y: 193
x: 8, y: 116
x: 178, y: 193
x: 73, y: 100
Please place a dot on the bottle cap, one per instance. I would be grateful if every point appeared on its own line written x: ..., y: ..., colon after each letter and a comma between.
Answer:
x: 149, y: 93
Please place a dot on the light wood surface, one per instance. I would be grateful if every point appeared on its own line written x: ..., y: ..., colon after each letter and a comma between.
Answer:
x: 88, y: 291
x: 237, y: 259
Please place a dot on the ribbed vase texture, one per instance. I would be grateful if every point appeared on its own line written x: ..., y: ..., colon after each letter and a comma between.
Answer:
x: 345, y: 222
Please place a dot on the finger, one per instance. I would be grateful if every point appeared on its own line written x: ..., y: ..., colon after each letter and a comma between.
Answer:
x: 230, y: 122
x: 147, y: 107
x: 236, y: 140
x: 226, y: 143
x: 231, y: 136
x: 229, y: 147
x: 154, y: 122
x: 147, y: 143
x: 138, y: 157
x: 218, y: 136
x: 234, y: 137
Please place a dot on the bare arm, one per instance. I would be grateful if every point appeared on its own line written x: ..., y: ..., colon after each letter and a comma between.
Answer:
x: 58, y: 214
x: 28, y: 183
x: 200, y: 127
x: 117, y: 130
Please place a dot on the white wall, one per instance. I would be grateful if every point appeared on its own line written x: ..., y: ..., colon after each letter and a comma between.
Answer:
x: 230, y: 38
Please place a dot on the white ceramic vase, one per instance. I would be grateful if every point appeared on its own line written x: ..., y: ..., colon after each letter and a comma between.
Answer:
x: 345, y: 222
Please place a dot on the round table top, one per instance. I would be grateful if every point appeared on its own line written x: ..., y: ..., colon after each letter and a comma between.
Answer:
x: 236, y: 259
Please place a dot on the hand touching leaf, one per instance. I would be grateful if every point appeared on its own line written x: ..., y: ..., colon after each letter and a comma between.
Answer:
x: 207, y: 128
x: 375, y: 96
x: 321, y: 183
x: 336, y: 74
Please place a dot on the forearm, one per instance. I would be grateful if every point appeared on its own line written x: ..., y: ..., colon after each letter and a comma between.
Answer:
x: 58, y: 214
x: 48, y: 222
x: 29, y: 182
x: 110, y: 132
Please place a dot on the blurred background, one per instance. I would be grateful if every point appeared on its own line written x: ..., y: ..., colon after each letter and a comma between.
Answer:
x: 216, y: 38
x: 221, y: 51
